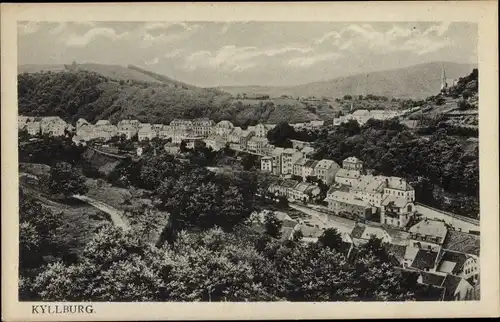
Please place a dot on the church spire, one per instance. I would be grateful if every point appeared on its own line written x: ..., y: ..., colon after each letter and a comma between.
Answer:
x: 443, y: 78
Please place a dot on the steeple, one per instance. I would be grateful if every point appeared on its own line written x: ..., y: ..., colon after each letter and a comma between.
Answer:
x: 443, y: 78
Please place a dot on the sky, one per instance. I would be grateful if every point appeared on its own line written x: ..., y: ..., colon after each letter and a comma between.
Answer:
x: 249, y: 53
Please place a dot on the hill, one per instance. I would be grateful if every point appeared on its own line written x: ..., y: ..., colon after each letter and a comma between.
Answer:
x: 417, y: 82
x: 94, y: 91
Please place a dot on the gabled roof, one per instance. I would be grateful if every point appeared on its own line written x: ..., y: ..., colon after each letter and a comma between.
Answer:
x: 428, y: 227
x: 462, y: 242
x: 398, y: 184
x: 396, y: 201
x: 311, y: 164
x: 301, y: 161
x: 452, y: 262
x: 352, y: 159
x: 344, y: 173
x: 357, y: 231
x: 347, y: 197
x: 425, y: 259
x: 369, y: 183
x: 326, y: 164
x: 397, y: 251
x: 103, y: 122
x: 432, y: 279
x: 451, y: 283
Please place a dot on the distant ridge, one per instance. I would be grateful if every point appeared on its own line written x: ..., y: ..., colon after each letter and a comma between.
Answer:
x: 417, y: 81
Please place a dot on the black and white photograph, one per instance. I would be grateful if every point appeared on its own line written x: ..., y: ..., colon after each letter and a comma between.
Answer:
x: 248, y: 161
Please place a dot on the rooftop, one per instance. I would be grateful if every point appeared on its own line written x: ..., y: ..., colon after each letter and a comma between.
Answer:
x: 343, y: 173
x: 451, y: 283
x: 398, y: 184
x: 352, y: 159
x: 369, y: 184
x: 326, y: 164
x: 428, y: 227
x: 311, y: 163
x: 396, y: 201
x: 103, y: 122
x: 301, y: 161
x: 432, y: 279
x: 349, y: 198
x: 462, y: 242
x: 452, y: 262
x: 425, y: 259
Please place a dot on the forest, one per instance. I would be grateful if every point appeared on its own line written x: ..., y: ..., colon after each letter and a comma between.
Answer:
x: 74, y: 94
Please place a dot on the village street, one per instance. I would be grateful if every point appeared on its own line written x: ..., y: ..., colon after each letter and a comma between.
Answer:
x: 324, y: 220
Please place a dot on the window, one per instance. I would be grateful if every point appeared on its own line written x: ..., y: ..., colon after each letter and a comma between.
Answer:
x: 409, y: 208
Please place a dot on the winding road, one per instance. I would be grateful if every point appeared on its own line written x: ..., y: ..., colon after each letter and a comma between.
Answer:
x: 116, y: 215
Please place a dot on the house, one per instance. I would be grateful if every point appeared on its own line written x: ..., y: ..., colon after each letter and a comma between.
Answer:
x: 304, y: 191
x: 457, y: 289
x: 261, y: 130
x: 325, y: 170
x: 52, y: 125
x: 396, y: 211
x: 104, y: 129
x: 257, y: 144
x: 146, y: 132
x: 308, y: 168
x: 362, y: 233
x: 298, y: 166
x: 288, y: 159
x: 361, y: 116
x: 347, y: 177
x: 396, y: 252
x: 80, y: 122
x: 78, y: 140
x: 215, y: 142
x: 223, y: 129
x: 179, y: 125
x: 369, y: 188
x: 284, y: 188
x: 86, y: 131
x: 244, y: 137
x: 276, y: 160
x: 266, y: 164
x: 459, y: 264
x: 428, y: 234
x: 193, y: 142
x: 128, y: 128
x: 400, y: 188
x: 33, y: 128
x: 340, y: 201
x: 202, y: 127
x: 165, y: 132
x: 297, y: 144
x: 352, y: 163
x: 310, y: 234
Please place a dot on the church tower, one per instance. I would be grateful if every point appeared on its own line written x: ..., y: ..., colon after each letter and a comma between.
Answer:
x: 443, y: 78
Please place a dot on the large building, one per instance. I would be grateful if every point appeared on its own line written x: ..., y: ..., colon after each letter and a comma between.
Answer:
x: 288, y: 159
x: 326, y: 170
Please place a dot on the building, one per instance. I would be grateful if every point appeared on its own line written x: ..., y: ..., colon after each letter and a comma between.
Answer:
x: 308, y: 168
x: 352, y: 163
x: 261, y: 130
x: 165, y: 132
x: 257, y: 144
x: 104, y: 129
x: 53, y: 125
x: 266, y: 164
x: 202, y: 127
x: 459, y: 264
x: 215, y: 142
x: 369, y: 188
x: 223, y: 129
x: 179, y: 125
x: 428, y: 235
x: 172, y: 148
x: 276, y: 155
x: 298, y: 168
x: 347, y: 177
x: 304, y: 192
x: 362, y: 233
x: 307, y: 151
x: 398, y: 187
x: 234, y: 136
x: 396, y: 211
x: 325, y: 170
x: 288, y: 159
x: 341, y: 201
x: 128, y: 128
x: 33, y: 128
x: 146, y: 132
x: 244, y: 137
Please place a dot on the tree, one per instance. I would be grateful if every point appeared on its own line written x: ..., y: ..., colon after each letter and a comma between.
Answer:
x: 331, y: 238
x: 66, y: 180
x: 115, y: 266
x: 273, y: 225
x: 281, y: 134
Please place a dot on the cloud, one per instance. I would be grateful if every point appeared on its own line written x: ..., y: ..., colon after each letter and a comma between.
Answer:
x: 438, y: 30
x: 309, y: 60
x: 234, y: 58
x: 28, y: 27
x: 174, y: 53
x: 152, y: 62
x: 92, y: 34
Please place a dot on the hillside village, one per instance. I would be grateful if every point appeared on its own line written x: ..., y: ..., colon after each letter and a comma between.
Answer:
x: 445, y: 257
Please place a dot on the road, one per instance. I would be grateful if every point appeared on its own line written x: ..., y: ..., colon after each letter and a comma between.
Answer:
x: 328, y: 221
x: 457, y: 223
x: 116, y: 215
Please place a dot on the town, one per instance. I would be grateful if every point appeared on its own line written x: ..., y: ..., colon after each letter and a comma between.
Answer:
x: 442, y: 247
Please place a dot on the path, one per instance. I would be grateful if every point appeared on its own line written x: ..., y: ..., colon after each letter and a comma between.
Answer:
x: 458, y: 222
x: 116, y: 215
x: 328, y: 221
